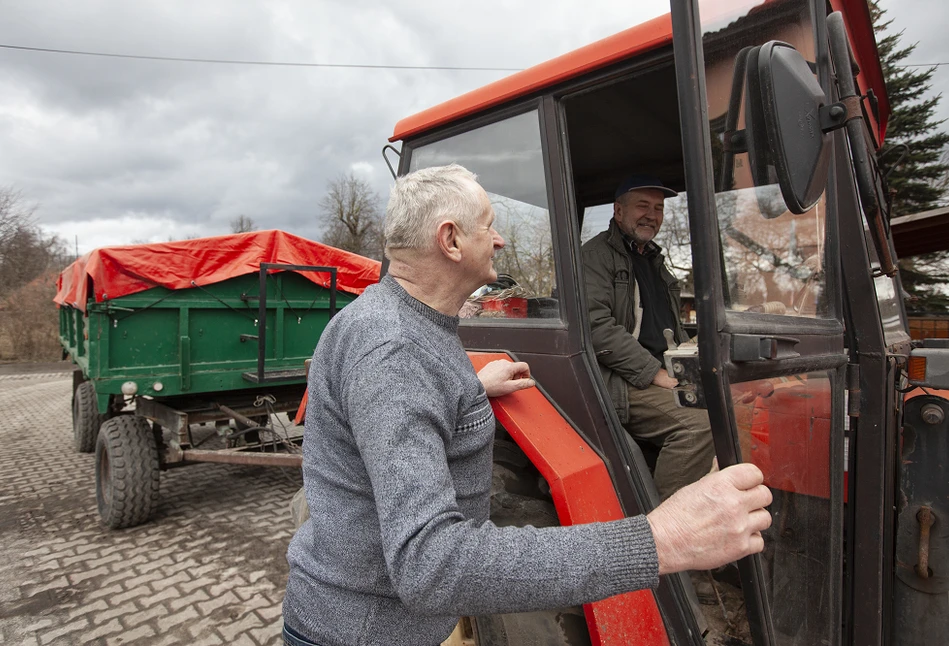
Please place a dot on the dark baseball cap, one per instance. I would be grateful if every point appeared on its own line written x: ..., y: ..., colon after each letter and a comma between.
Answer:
x: 636, y: 182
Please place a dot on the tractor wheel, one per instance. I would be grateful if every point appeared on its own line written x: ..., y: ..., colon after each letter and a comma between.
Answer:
x: 86, y: 418
x: 126, y: 471
x: 519, y: 497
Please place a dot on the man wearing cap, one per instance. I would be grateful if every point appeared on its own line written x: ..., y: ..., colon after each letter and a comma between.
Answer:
x: 632, y: 298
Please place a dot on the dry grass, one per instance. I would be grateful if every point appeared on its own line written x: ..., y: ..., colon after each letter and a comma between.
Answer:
x: 29, y: 323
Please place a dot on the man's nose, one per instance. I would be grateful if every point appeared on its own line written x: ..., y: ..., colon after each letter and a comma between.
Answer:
x: 498, y: 241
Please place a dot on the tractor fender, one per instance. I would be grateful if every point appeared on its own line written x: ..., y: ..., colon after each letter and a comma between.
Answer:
x: 582, y: 492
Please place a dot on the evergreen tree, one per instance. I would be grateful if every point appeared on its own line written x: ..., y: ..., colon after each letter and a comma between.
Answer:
x: 917, y: 179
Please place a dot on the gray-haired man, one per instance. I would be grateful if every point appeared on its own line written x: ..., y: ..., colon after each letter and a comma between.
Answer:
x: 398, y: 451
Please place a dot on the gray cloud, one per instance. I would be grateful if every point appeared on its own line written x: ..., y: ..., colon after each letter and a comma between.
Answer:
x: 119, y: 150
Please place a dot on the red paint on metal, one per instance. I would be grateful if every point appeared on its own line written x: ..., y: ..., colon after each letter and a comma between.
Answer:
x: 583, y: 493
x: 301, y: 410
x: 641, y: 38
x: 919, y: 392
x: 629, y: 43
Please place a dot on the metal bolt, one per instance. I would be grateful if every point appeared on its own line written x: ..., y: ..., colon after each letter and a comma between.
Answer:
x: 932, y: 414
x: 836, y: 112
x: 678, y: 368
x: 691, y: 398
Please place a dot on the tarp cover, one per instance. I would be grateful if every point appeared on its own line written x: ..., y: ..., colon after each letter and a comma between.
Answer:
x: 119, y: 271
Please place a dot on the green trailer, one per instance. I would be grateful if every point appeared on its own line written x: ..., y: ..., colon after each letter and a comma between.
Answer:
x: 158, y: 367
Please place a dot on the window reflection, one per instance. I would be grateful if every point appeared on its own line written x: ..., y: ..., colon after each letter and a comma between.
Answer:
x: 773, y: 260
x: 773, y: 264
x: 508, y: 159
x: 784, y: 428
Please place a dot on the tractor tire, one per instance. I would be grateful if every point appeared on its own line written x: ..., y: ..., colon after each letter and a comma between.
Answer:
x: 127, y: 471
x: 86, y: 418
x: 519, y: 497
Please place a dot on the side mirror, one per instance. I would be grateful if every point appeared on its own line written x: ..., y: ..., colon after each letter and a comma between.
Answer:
x: 787, y: 125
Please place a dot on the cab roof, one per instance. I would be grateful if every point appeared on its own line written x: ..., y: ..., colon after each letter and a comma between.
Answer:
x: 644, y: 37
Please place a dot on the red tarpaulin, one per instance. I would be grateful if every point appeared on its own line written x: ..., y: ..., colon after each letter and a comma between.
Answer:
x: 119, y: 271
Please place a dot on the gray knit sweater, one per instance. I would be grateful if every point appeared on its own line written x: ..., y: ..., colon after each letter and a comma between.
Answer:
x: 397, y: 473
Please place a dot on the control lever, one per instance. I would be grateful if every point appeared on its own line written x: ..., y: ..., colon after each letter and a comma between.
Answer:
x: 682, y: 364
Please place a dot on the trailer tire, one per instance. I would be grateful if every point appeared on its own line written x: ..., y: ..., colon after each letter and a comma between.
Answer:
x: 519, y: 497
x: 127, y: 471
x: 86, y: 418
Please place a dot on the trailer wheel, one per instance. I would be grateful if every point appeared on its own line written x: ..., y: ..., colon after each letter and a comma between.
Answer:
x: 126, y: 471
x: 86, y: 418
x: 519, y: 496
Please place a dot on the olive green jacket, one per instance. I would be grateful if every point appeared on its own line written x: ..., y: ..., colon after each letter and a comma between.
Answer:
x: 615, y: 310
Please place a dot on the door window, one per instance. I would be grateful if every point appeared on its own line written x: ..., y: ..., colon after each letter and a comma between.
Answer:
x: 508, y: 158
x: 784, y: 428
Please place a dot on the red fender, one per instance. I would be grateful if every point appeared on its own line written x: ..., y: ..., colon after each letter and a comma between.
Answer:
x: 301, y: 411
x: 583, y: 493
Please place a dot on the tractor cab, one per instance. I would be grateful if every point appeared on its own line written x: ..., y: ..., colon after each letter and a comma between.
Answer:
x: 765, y: 116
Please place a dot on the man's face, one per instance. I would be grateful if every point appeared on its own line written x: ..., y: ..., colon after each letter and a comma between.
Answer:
x: 638, y: 214
x: 484, y: 241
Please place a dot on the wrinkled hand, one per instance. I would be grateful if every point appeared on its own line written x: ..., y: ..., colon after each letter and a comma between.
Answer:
x: 505, y: 377
x: 714, y: 521
x: 663, y: 380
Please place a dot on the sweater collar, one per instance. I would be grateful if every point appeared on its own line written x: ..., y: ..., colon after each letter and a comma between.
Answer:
x: 450, y: 323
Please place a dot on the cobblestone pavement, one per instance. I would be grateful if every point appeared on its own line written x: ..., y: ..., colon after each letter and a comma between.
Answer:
x: 210, y: 568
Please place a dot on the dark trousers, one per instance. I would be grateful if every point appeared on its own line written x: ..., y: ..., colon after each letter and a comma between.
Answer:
x: 293, y: 638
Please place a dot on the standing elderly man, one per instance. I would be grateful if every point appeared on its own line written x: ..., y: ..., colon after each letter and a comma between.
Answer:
x: 398, y: 451
x: 632, y: 298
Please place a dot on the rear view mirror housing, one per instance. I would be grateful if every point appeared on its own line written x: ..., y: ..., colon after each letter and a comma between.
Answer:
x: 787, y: 125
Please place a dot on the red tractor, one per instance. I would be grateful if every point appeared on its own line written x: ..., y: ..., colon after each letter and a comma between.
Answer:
x: 767, y: 115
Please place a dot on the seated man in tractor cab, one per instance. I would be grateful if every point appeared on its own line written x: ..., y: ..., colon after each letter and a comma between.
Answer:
x: 632, y: 299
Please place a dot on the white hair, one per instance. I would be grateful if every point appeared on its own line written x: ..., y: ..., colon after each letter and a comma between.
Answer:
x: 422, y: 199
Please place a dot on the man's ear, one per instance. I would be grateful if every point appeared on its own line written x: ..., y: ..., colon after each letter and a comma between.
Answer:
x: 447, y: 240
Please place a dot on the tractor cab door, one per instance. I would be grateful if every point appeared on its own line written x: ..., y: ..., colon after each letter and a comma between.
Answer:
x: 771, y: 366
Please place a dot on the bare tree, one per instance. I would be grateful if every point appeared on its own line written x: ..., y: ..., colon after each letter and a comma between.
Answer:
x: 351, y: 216
x: 26, y: 251
x: 675, y: 239
x: 29, y: 261
x: 243, y: 224
x: 528, y: 255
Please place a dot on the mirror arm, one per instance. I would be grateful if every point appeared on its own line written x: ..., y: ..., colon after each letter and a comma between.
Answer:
x: 734, y: 142
x: 836, y: 115
x: 844, y: 63
x: 398, y: 152
x: 729, y: 147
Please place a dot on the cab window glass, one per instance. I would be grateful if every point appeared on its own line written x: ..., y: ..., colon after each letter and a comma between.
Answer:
x: 887, y: 297
x: 672, y: 237
x: 784, y: 428
x: 508, y: 159
x: 774, y: 260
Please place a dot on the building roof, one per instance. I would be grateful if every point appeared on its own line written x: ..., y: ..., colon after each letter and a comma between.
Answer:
x: 921, y: 233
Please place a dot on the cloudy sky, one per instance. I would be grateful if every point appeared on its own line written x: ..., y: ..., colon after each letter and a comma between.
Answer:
x: 115, y: 150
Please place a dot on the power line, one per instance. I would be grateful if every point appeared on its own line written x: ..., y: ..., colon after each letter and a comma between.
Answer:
x: 219, y: 61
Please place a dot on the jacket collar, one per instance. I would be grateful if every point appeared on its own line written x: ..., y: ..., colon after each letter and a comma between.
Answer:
x: 621, y: 242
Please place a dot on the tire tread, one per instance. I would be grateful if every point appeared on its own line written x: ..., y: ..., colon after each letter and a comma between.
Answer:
x: 133, y: 473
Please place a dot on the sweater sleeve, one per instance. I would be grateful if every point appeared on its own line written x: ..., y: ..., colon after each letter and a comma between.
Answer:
x: 443, y: 563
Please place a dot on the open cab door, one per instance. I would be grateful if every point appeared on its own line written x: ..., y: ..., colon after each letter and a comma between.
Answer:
x: 758, y: 138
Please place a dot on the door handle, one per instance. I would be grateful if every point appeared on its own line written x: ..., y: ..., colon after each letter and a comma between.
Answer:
x: 751, y: 347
